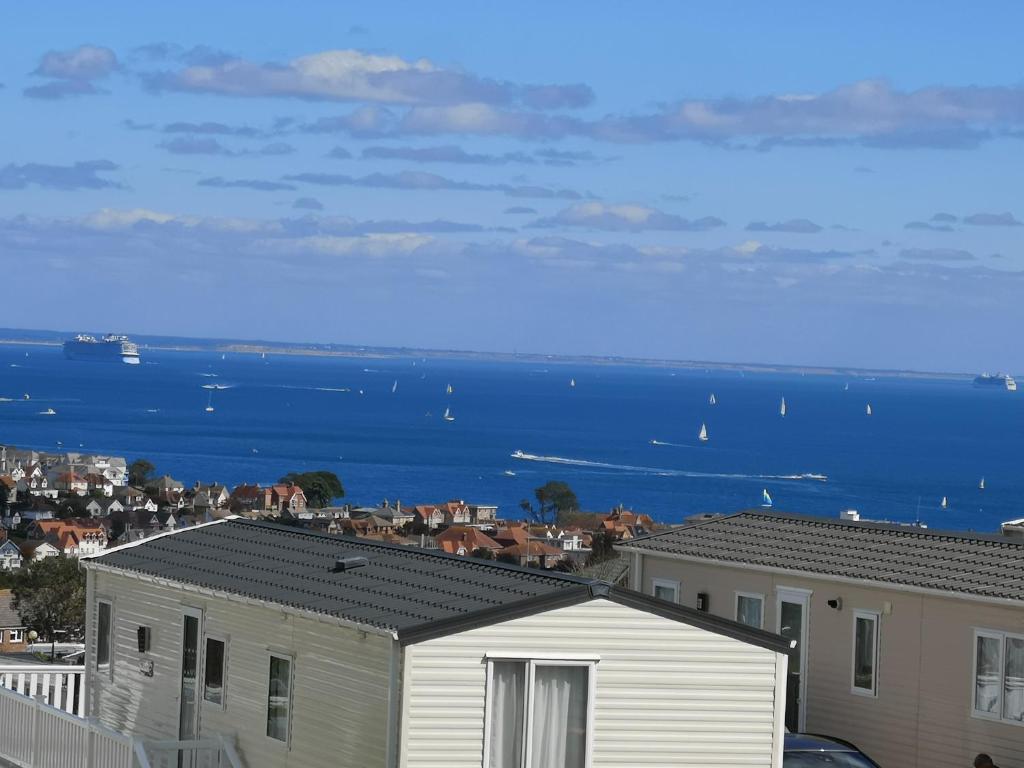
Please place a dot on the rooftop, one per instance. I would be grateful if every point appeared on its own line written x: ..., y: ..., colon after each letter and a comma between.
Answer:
x: 963, y: 563
x: 409, y: 591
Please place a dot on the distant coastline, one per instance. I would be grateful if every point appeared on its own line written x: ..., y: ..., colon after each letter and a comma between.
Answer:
x: 47, y: 338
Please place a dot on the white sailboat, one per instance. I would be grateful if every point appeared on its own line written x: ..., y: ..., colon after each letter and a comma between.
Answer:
x: 712, y: 400
x: 846, y: 387
x: 572, y: 383
x: 766, y: 500
x: 782, y: 407
x: 945, y: 503
x: 448, y: 415
x: 981, y: 485
x: 209, y: 403
x: 868, y: 409
x: 48, y: 412
x: 448, y: 390
x: 394, y: 387
x: 703, y: 434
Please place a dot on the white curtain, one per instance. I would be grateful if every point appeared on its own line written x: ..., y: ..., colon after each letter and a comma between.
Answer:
x: 559, y: 717
x: 508, y: 695
x: 1013, y: 680
x: 987, y: 682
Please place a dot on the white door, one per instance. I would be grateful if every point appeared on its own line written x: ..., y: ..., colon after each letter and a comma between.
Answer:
x: 791, y: 617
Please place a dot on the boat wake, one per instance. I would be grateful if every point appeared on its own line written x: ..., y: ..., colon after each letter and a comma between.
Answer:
x: 663, y: 472
x: 670, y: 445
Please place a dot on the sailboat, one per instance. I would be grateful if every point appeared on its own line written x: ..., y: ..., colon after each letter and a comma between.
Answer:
x: 703, y: 434
x: 846, y: 387
x: 222, y: 357
x: 868, y: 409
x: 209, y: 403
x: 711, y: 400
x: 572, y: 383
x: 981, y: 485
x: 945, y: 502
x: 782, y: 407
x: 448, y: 390
x: 766, y: 500
x: 394, y: 387
x: 448, y: 415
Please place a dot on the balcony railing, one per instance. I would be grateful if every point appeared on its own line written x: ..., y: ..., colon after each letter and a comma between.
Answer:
x: 59, y: 685
x: 41, y: 726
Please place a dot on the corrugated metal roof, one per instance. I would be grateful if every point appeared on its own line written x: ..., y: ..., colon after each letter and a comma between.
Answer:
x: 971, y: 564
x: 399, y: 588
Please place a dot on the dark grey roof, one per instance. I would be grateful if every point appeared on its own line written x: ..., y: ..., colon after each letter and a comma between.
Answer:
x: 957, y: 562
x: 8, y: 616
x: 417, y: 593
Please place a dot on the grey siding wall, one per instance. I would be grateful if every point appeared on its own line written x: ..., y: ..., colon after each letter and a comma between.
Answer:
x: 341, y: 676
x: 667, y: 694
x: 922, y: 713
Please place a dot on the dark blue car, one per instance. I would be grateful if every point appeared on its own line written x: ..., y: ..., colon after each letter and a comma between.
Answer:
x: 805, y: 750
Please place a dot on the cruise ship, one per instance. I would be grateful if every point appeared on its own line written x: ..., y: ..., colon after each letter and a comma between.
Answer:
x: 110, y: 348
x: 1000, y: 380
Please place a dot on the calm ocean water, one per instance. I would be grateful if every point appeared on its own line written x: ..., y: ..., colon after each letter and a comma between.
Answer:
x: 925, y: 439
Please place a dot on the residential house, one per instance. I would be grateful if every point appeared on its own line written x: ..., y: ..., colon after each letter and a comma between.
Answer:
x: 428, y: 516
x: 208, y: 497
x: 282, y: 634
x: 10, y: 556
x: 134, y: 498
x: 367, y: 525
x: 98, y: 483
x: 481, y: 514
x: 910, y: 641
x: 13, y: 632
x: 287, y: 498
x: 36, y: 549
x: 37, y: 484
x: 103, y: 507
x: 73, y: 537
x: 464, y: 540
x: 70, y: 483
x: 250, y: 499
x: 533, y: 553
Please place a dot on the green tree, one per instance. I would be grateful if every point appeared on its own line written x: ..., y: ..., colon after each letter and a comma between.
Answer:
x: 50, y: 596
x: 320, y: 488
x: 602, y: 547
x: 482, y: 553
x: 139, y: 472
x: 554, y: 498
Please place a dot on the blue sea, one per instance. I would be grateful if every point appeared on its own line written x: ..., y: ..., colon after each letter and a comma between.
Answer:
x: 926, y: 438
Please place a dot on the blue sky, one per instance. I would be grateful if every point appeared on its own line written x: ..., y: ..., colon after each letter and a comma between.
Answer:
x: 794, y: 183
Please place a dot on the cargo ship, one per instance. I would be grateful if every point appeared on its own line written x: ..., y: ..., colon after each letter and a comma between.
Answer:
x: 1000, y: 380
x: 110, y: 349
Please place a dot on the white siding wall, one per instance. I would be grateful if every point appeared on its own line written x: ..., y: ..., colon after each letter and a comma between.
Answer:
x: 341, y: 677
x: 668, y: 694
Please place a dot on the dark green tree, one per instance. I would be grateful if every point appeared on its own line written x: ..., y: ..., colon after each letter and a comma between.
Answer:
x: 554, y: 498
x: 482, y: 553
x: 50, y: 596
x: 139, y: 472
x: 320, y: 488
x: 601, y: 547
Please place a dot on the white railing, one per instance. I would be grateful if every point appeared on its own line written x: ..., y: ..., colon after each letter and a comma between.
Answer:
x: 36, y: 735
x: 59, y: 685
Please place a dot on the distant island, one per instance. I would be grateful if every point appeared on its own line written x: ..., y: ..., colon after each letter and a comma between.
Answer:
x: 33, y: 337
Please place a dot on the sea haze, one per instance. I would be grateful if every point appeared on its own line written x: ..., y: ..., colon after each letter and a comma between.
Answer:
x: 926, y: 438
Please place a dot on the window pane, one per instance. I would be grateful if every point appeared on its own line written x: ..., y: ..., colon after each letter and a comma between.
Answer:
x: 791, y: 623
x: 279, y: 698
x: 188, y: 722
x: 508, y: 703
x: 987, y: 683
x: 103, y: 634
x: 864, y: 654
x: 559, y: 717
x: 665, y: 593
x: 1013, y: 680
x: 213, y: 682
x: 748, y: 610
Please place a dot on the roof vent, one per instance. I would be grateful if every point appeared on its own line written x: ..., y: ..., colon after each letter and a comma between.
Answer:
x: 349, y: 563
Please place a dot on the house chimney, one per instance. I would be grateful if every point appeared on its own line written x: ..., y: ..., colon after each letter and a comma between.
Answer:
x: 349, y: 562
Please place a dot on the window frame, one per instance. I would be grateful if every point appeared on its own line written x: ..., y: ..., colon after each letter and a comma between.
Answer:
x: 16, y: 635
x: 1001, y: 637
x: 290, y: 658
x: 675, y: 586
x: 108, y: 665
x: 876, y: 618
x: 532, y: 662
x: 750, y: 596
x: 223, y: 639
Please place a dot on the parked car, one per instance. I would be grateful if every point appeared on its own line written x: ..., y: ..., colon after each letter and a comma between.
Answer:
x: 807, y: 750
